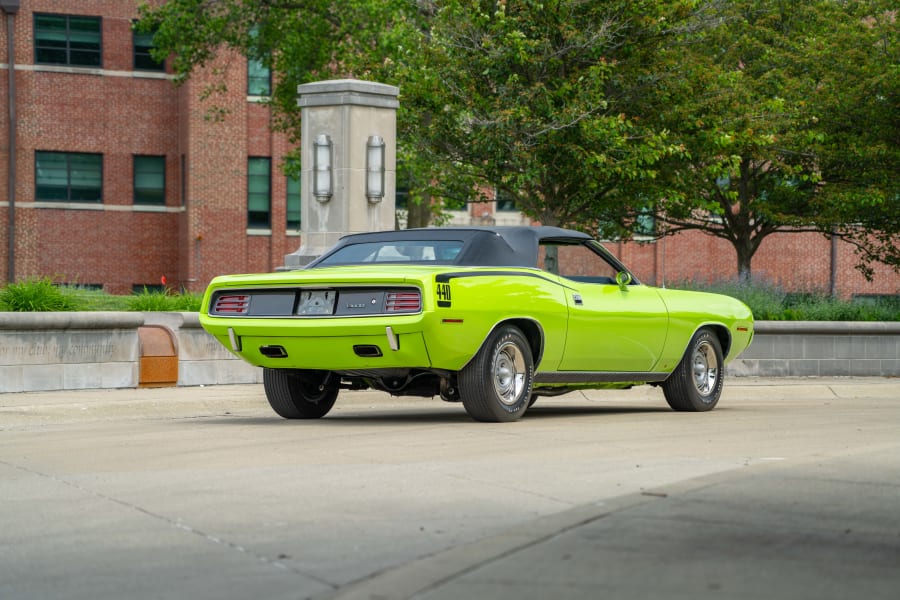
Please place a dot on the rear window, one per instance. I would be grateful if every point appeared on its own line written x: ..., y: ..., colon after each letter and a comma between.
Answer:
x: 408, y: 251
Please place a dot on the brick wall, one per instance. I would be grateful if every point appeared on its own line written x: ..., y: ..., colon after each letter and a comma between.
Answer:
x: 202, y: 230
x: 797, y: 261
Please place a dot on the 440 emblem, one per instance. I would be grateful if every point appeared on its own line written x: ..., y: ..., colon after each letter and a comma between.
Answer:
x: 443, y: 295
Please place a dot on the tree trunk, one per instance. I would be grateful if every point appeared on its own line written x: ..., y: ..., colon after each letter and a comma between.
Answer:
x: 418, y: 214
x: 745, y: 253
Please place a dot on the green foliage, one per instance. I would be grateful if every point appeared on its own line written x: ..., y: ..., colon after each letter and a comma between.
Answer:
x: 42, y: 295
x: 36, y: 295
x: 739, y: 118
x: 771, y: 303
x: 299, y: 41
x: 163, y: 301
x: 788, y: 111
x: 527, y: 98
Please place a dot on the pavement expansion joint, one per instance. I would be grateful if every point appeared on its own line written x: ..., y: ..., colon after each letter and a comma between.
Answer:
x: 174, y: 523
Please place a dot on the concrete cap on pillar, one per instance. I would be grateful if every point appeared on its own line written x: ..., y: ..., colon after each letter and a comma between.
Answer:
x: 348, y: 91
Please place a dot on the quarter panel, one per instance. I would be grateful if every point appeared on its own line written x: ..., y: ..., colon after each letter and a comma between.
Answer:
x: 689, y: 311
x: 480, y: 299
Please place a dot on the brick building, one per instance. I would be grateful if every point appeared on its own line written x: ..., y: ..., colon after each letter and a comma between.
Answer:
x: 120, y: 178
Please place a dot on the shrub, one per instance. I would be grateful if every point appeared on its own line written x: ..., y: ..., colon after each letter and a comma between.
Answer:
x: 163, y: 301
x: 771, y: 303
x: 37, y: 295
x: 186, y: 302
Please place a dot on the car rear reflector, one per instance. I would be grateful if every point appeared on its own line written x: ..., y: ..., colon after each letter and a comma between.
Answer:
x: 232, y: 305
x: 405, y: 301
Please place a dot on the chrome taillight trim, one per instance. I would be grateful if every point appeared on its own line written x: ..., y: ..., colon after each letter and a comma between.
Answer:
x: 232, y: 304
x: 402, y: 301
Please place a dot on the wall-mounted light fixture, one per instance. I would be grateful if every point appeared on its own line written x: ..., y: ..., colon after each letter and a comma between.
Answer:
x: 375, y: 168
x: 323, y: 185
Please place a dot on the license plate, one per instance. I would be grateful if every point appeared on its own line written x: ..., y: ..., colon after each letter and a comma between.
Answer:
x: 316, y: 302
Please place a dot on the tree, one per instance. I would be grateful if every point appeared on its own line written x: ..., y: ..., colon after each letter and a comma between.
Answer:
x: 788, y: 112
x: 738, y: 118
x: 511, y: 95
x: 860, y: 153
x: 299, y: 40
x: 521, y: 97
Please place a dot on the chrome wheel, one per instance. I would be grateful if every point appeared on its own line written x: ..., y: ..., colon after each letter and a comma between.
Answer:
x: 696, y: 383
x: 509, y: 373
x: 705, y: 367
x: 496, y: 384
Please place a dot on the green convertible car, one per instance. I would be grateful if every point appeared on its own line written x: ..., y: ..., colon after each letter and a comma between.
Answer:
x: 492, y: 317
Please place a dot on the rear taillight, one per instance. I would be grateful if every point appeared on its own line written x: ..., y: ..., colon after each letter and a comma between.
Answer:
x: 232, y: 305
x: 405, y: 301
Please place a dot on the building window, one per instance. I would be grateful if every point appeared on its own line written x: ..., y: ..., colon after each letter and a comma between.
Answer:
x: 92, y: 287
x: 259, y: 193
x: 143, y: 61
x: 184, y: 183
x: 67, y: 40
x: 293, y: 203
x: 68, y: 177
x: 506, y: 202
x: 645, y: 223
x: 401, y: 197
x: 259, y: 78
x: 150, y: 180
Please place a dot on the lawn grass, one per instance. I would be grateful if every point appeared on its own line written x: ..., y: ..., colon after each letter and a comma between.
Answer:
x: 42, y: 295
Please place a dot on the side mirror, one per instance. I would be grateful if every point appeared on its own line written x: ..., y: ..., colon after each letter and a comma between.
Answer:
x: 623, y: 278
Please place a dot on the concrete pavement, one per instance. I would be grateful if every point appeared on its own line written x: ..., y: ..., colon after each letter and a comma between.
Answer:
x: 790, y: 489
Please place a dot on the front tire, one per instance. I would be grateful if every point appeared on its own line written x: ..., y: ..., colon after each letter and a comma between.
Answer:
x: 496, y: 385
x: 300, y: 394
x: 696, y: 383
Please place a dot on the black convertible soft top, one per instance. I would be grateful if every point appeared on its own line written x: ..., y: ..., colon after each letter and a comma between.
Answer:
x: 481, y: 246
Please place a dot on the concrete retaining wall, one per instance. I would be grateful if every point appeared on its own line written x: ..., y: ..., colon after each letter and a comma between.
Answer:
x: 77, y: 350
x: 88, y: 350
x: 821, y: 349
x: 202, y: 360
x: 91, y: 350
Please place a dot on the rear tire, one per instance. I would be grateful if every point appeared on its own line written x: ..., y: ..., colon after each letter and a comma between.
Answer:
x: 696, y: 383
x: 496, y: 385
x: 300, y: 394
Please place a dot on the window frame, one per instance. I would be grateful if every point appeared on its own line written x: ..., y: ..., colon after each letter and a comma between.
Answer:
x: 258, y: 223
x: 257, y: 78
x: 161, y: 201
x: 293, y: 204
x: 68, y: 41
x: 69, y: 187
x: 144, y: 53
x: 584, y: 261
x: 504, y: 202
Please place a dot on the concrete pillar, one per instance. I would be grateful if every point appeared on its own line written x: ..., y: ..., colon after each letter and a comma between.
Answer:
x: 349, y: 112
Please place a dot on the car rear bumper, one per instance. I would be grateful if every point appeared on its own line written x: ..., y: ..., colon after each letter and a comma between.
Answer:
x: 342, y: 353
